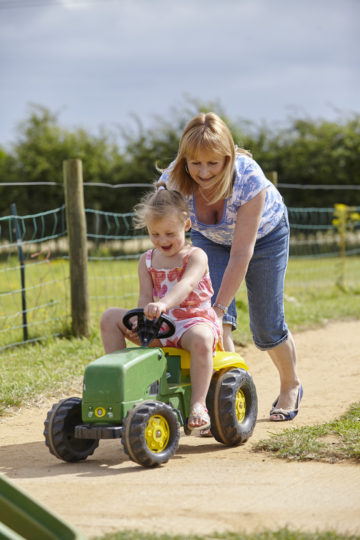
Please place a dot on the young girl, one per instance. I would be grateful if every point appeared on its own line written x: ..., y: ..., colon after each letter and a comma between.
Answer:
x: 174, y: 279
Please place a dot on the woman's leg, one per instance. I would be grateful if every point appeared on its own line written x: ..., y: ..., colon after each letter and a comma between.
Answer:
x: 285, y: 360
x: 198, y: 340
x: 265, y: 286
x: 228, y: 343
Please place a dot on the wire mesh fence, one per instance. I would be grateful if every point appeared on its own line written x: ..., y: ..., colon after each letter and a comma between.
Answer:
x: 35, y: 289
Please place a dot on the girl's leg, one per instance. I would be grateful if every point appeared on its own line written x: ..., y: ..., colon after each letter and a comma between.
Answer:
x: 113, y: 332
x: 198, y: 340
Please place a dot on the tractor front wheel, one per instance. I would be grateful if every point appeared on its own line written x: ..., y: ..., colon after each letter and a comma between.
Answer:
x: 232, y: 404
x: 151, y: 433
x: 59, y: 431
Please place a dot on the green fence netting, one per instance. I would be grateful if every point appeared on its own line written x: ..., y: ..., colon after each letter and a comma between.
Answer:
x: 34, y: 265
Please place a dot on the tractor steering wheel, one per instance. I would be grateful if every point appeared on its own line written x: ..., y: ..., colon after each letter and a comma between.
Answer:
x: 148, y: 329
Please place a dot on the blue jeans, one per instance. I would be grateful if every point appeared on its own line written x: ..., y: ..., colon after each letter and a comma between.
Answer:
x: 264, y: 280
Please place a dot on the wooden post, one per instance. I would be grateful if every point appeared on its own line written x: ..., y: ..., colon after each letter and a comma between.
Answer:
x: 76, y: 228
x: 272, y: 176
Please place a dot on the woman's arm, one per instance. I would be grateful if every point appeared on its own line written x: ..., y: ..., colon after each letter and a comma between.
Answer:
x: 247, y: 224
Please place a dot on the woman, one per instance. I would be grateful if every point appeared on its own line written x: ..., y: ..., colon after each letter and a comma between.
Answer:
x: 239, y: 219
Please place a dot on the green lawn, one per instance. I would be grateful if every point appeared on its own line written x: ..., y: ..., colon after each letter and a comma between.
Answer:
x: 311, y: 295
x: 281, y: 534
x: 28, y: 372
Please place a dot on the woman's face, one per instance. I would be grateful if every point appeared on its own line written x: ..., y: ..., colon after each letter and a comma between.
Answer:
x: 205, y: 166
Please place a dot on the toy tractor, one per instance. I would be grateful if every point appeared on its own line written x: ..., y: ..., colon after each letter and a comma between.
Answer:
x: 141, y: 395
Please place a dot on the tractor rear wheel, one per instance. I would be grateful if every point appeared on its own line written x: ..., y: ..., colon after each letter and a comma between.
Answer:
x: 59, y: 431
x: 232, y: 404
x: 151, y: 433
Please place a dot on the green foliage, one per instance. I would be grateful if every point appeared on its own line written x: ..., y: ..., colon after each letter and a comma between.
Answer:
x: 312, y: 152
x: 38, y: 155
x: 304, y: 152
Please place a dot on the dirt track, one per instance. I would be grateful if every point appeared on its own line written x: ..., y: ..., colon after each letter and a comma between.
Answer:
x: 206, y: 487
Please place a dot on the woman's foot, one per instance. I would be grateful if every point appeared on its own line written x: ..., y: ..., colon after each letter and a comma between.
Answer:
x: 199, y: 418
x: 282, y: 415
x: 206, y: 433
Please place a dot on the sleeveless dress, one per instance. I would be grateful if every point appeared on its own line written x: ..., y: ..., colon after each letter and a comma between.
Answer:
x: 195, y: 309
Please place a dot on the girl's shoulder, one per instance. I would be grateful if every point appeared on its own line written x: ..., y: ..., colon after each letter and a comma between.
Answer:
x: 195, y: 254
x: 146, y: 258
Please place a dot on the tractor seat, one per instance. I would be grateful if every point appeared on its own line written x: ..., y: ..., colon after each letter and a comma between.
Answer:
x: 221, y: 359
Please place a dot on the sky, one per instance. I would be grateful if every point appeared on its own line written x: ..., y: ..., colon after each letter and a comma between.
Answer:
x: 101, y: 63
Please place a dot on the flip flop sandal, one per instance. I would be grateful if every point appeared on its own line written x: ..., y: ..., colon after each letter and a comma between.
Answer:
x: 206, y: 433
x: 198, y: 412
x: 285, y: 414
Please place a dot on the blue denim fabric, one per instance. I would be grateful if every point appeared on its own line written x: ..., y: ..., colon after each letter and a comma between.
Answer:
x: 264, y: 282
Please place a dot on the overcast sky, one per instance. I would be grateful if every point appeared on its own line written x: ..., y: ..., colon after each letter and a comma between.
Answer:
x: 98, y: 62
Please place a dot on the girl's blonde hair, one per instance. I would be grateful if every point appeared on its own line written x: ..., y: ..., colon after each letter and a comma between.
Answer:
x: 209, y: 133
x: 159, y: 204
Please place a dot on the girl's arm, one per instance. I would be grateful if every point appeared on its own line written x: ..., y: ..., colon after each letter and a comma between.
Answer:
x: 145, y: 283
x: 196, y: 267
x: 247, y: 224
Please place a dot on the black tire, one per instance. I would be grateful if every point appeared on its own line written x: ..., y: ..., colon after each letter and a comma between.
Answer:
x: 232, y: 404
x: 151, y: 433
x: 59, y: 431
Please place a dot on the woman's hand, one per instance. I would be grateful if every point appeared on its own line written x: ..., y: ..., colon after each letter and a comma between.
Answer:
x: 153, y: 310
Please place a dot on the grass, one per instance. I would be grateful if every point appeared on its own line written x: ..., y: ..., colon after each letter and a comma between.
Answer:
x: 331, y: 442
x: 29, y: 372
x: 281, y: 534
x: 311, y: 295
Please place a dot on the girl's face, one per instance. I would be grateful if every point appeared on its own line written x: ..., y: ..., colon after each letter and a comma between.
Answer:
x: 205, y: 166
x: 168, y: 233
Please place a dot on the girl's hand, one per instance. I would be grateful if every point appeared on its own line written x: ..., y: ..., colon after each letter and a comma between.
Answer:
x: 153, y: 310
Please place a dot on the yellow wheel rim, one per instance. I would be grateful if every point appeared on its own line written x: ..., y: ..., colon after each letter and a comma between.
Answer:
x: 157, y: 433
x: 240, y: 406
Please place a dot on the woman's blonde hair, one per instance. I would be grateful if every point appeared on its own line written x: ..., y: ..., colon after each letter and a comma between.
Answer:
x: 205, y: 132
x: 160, y: 203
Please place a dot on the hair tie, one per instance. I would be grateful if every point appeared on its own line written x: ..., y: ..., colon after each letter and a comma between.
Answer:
x: 160, y: 185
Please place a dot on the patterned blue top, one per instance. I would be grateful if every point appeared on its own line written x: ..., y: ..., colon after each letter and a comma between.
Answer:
x: 249, y: 181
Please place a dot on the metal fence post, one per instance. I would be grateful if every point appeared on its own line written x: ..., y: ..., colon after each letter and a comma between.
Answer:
x: 76, y: 227
x: 22, y: 271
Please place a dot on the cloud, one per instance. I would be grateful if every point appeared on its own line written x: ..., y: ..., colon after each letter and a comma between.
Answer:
x: 103, y: 60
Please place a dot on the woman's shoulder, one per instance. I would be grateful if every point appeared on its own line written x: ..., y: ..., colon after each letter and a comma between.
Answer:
x: 245, y: 163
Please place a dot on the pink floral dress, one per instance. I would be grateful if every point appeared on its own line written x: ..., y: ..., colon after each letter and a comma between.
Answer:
x: 195, y: 309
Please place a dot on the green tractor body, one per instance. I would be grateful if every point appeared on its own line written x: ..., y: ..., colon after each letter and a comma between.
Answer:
x: 142, y: 395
